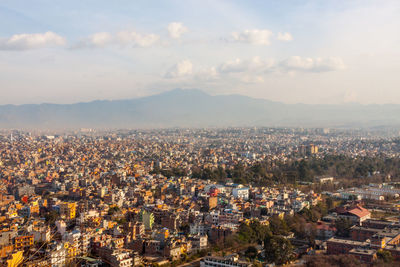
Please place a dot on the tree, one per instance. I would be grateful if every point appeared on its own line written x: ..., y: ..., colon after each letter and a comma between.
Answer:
x: 298, y: 225
x: 254, y: 232
x: 278, y: 249
x: 304, y: 171
x: 264, y: 211
x: 330, y: 203
x: 251, y: 252
x: 113, y: 210
x: 278, y: 226
x: 332, y: 261
x: 343, y: 226
x: 311, y: 215
x: 245, y: 233
x: 384, y: 256
x: 51, y: 217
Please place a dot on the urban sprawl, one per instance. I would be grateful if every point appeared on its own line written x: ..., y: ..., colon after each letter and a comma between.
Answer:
x: 200, y: 197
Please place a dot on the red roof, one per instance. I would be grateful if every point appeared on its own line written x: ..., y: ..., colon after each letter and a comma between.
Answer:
x: 325, y: 227
x: 359, y: 211
x: 355, y: 210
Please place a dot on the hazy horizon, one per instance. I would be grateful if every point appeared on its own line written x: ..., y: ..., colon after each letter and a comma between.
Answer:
x: 311, y: 52
x: 195, y: 89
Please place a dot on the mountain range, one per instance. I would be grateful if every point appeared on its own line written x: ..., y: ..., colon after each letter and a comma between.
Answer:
x: 194, y: 108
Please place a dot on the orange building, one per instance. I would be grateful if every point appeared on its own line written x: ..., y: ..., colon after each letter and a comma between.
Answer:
x: 23, y: 241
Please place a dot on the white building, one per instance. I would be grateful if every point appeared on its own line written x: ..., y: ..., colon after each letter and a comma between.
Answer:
x: 61, y: 227
x: 242, y: 193
x: 199, y: 229
x: 199, y: 242
x: 57, y: 256
x: 229, y: 261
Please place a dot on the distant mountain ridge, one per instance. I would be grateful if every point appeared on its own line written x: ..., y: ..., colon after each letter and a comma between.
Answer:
x: 194, y: 108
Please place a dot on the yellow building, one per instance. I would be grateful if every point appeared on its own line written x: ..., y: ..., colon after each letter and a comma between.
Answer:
x: 34, y: 207
x: 68, y: 210
x: 312, y: 149
x: 71, y: 250
x: 16, y: 259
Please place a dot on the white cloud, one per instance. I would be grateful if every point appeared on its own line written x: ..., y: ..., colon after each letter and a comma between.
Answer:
x: 247, y: 71
x: 252, y: 70
x: 136, y: 39
x: 255, y: 65
x: 27, y: 41
x: 296, y: 63
x: 176, y: 29
x: 181, y: 69
x: 255, y: 37
x: 207, y: 74
x: 284, y: 36
x: 248, y: 78
x: 329, y: 64
x: 100, y: 39
x: 123, y: 38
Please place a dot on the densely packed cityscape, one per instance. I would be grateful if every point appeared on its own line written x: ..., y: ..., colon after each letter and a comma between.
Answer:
x: 200, y: 197
x: 214, y: 133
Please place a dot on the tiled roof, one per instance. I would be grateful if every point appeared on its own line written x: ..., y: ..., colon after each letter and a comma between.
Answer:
x: 359, y: 211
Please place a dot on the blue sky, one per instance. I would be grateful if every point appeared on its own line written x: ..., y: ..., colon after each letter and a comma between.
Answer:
x: 289, y: 51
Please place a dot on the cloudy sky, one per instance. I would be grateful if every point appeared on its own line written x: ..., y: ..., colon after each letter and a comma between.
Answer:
x: 288, y: 51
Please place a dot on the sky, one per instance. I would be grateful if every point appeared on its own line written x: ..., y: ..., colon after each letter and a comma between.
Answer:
x: 313, y: 52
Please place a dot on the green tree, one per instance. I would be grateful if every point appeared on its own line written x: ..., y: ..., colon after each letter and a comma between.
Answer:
x: 343, y: 226
x: 278, y: 226
x: 332, y: 261
x: 385, y: 256
x: 278, y: 249
x: 251, y: 252
x: 329, y: 203
x: 51, y: 217
x: 254, y: 232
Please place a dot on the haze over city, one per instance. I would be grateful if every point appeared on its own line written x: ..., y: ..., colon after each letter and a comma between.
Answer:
x: 313, y: 52
x: 207, y: 133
